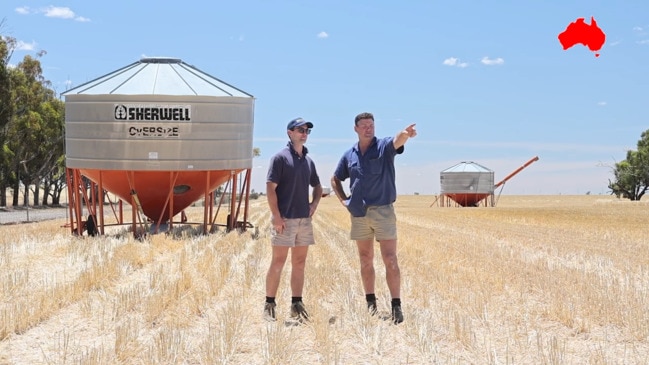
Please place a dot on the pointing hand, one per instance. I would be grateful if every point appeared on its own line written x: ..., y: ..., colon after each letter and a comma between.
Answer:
x: 411, y: 130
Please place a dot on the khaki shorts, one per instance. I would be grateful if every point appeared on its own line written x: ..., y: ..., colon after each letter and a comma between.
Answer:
x: 380, y: 222
x: 297, y: 232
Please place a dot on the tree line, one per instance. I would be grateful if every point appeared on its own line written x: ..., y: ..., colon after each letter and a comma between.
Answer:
x: 32, y: 121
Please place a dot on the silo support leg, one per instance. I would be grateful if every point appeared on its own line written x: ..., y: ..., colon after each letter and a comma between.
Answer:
x: 140, y: 212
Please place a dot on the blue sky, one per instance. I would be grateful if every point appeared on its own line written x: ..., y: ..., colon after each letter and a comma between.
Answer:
x: 485, y: 81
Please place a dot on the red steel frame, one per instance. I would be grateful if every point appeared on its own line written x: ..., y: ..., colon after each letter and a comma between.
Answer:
x: 78, y: 198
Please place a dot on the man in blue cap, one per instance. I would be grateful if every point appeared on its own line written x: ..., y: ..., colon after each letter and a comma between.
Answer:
x: 290, y: 174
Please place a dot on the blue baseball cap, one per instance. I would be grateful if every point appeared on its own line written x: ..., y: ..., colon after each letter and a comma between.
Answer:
x: 298, y: 122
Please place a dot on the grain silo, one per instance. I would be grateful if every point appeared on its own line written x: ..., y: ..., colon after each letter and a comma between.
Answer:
x: 160, y: 134
x: 467, y: 184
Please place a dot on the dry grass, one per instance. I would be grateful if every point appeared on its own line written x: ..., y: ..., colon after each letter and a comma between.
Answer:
x: 535, y: 280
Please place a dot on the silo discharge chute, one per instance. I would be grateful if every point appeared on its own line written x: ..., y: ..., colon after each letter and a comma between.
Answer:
x: 503, y: 181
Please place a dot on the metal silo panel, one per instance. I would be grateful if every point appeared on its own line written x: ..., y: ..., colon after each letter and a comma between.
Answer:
x: 159, y: 132
x: 466, y: 182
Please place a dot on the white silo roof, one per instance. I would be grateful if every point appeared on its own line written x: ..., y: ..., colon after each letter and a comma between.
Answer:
x: 158, y: 76
x: 467, y: 167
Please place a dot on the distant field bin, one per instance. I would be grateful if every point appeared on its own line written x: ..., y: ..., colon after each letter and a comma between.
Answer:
x: 159, y: 132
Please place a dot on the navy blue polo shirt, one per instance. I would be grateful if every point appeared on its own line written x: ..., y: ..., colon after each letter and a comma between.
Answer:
x: 293, y: 175
x: 372, y: 175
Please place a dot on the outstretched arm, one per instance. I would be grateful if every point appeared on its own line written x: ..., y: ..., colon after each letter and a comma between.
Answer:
x: 402, y: 137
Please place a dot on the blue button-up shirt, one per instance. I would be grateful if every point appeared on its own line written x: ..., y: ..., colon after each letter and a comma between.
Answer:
x: 372, y: 175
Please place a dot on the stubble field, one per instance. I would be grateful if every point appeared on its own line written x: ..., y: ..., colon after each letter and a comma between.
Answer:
x: 535, y: 280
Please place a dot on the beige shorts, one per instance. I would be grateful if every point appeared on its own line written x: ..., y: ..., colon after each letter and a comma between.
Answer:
x: 297, y: 232
x: 380, y: 222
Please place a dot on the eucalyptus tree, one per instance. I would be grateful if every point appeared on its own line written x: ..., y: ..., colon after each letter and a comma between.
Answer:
x: 35, y: 133
x: 631, y: 175
x: 31, y: 125
x: 7, y: 46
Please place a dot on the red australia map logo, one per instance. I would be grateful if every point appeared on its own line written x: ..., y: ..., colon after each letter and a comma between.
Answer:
x: 578, y: 32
